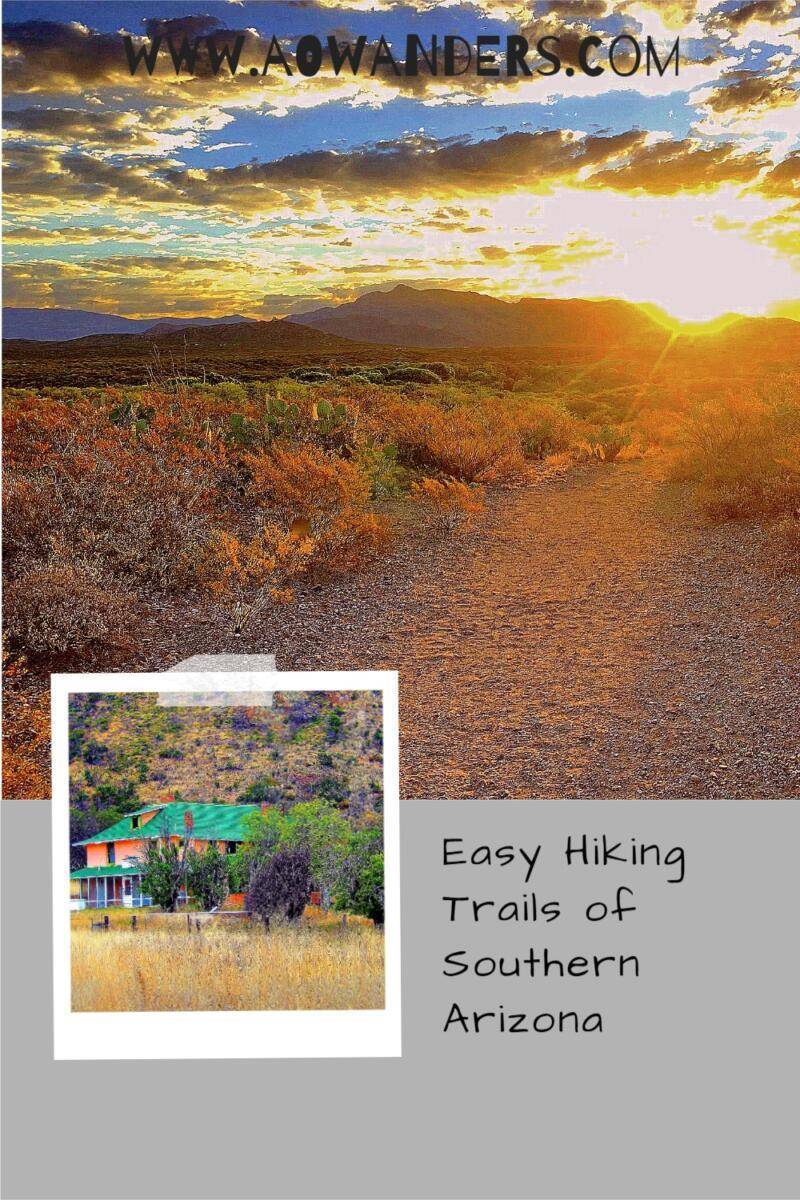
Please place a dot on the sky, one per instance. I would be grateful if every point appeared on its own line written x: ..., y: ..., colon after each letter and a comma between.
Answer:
x: 264, y: 196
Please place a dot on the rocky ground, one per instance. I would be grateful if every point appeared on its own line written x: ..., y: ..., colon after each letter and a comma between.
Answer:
x: 590, y: 637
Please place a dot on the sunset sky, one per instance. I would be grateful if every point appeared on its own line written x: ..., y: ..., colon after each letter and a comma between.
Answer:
x: 265, y: 196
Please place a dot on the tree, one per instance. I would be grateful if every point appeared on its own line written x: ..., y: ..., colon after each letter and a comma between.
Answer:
x: 164, y: 869
x: 207, y: 877
x: 265, y: 832
x: 281, y: 885
x: 361, y: 880
x: 163, y: 873
x: 238, y: 868
x: 325, y: 833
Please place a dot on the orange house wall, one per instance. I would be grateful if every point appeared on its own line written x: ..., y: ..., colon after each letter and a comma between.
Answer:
x: 97, y: 852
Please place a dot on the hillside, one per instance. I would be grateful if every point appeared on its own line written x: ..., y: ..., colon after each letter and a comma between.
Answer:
x: 126, y: 751
x: 405, y: 324
x: 248, y: 349
x: 439, y: 318
x: 67, y: 324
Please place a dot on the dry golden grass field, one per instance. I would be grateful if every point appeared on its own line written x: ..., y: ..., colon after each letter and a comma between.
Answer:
x: 162, y: 966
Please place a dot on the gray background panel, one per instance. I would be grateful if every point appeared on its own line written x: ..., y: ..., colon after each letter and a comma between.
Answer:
x: 690, y: 1092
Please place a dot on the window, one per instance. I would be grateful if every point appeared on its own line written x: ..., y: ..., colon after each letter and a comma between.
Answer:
x: 112, y: 852
x: 231, y: 847
x: 134, y: 822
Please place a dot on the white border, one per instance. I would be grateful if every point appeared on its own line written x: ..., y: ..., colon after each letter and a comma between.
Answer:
x: 307, y: 1034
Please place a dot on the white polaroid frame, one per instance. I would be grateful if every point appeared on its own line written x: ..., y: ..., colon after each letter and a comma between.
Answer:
x: 372, y: 1033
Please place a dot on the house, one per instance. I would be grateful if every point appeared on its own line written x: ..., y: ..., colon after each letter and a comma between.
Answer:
x: 113, y: 871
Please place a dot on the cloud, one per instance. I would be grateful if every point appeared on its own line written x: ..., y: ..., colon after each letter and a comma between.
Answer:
x: 29, y: 235
x: 366, y: 178
x: 669, y: 167
x: 745, y: 91
x: 410, y: 167
x: 131, y: 284
x: 768, y: 12
x: 53, y: 56
x: 784, y: 178
x: 494, y: 253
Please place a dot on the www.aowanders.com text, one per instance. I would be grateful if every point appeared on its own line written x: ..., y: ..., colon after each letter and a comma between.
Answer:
x: 451, y: 55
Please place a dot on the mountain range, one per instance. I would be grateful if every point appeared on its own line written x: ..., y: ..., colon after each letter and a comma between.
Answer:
x: 440, y: 318
x: 412, y: 317
x: 67, y: 324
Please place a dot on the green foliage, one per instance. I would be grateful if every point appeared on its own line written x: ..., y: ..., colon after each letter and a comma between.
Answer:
x: 325, y: 833
x: 388, y: 479
x: 207, y: 877
x: 611, y: 441
x: 360, y: 887
x: 311, y: 375
x: 265, y: 831
x: 163, y: 872
x: 238, y: 868
x: 413, y: 375
x: 282, y: 417
x: 262, y: 791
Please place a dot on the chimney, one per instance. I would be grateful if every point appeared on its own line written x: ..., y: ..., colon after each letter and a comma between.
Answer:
x: 264, y: 806
x: 188, y: 822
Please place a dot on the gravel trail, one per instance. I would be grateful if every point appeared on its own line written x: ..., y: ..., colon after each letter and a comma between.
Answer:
x: 591, y: 637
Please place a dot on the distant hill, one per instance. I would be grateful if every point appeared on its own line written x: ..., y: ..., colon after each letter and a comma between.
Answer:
x: 66, y: 324
x: 436, y: 318
x: 126, y: 752
x: 408, y: 324
x: 245, y: 350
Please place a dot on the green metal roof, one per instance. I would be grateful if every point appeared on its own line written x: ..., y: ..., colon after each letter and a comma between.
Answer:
x: 212, y: 822
x: 103, y: 872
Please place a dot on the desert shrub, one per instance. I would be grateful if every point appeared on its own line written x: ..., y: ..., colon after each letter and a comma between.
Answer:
x: 544, y: 429
x: 325, y: 499
x: 311, y: 375
x: 26, y: 734
x: 413, y: 375
x: 610, y: 442
x: 263, y: 566
x: 381, y: 466
x: 62, y: 606
x: 782, y: 552
x: 441, y: 370
x: 743, y: 454
x: 447, y: 504
x: 463, y: 443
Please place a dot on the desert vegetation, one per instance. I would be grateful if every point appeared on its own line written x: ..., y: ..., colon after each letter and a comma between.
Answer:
x: 227, y: 964
x: 742, y: 454
x: 126, y: 501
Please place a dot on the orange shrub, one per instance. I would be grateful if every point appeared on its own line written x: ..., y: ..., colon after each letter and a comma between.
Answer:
x: 26, y: 736
x: 60, y: 606
x: 326, y: 497
x: 448, y: 504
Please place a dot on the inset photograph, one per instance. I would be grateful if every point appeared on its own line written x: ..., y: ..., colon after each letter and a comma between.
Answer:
x: 223, y: 858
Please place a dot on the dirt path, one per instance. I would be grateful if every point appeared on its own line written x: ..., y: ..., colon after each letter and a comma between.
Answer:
x: 591, y: 638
